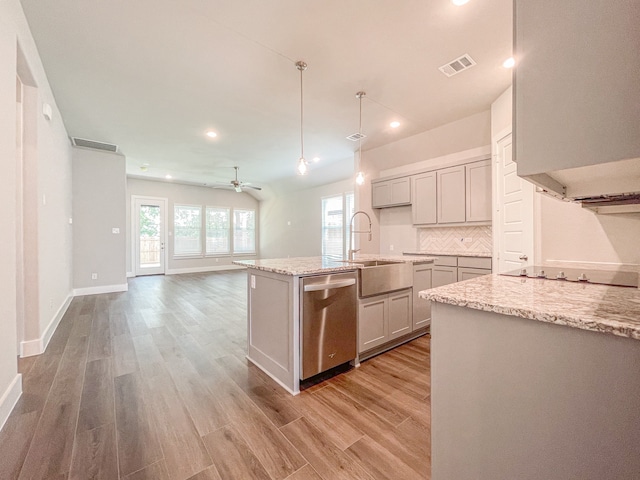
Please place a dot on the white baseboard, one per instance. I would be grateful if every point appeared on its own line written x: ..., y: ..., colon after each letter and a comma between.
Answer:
x: 29, y: 348
x: 9, y: 398
x: 130, y: 274
x: 214, y: 268
x: 78, y: 292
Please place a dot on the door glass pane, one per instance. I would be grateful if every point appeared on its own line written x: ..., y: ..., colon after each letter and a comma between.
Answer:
x: 149, y: 236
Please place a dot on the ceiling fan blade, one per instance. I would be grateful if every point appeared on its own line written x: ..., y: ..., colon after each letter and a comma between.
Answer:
x: 251, y: 186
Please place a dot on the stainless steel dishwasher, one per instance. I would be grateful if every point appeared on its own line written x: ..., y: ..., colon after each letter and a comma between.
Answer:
x: 329, y: 322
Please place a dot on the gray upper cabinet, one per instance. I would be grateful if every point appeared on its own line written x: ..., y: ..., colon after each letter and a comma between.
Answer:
x: 478, y: 191
x: 423, y: 207
x: 576, y: 83
x: 391, y: 193
x: 451, y: 203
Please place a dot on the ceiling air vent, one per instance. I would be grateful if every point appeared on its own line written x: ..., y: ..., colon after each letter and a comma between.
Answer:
x: 354, y: 137
x: 458, y: 65
x: 83, y: 142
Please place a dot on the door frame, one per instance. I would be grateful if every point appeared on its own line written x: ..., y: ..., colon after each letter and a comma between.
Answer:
x: 134, y: 230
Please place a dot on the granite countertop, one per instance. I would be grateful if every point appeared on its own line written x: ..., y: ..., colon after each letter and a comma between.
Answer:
x: 451, y: 254
x: 599, y: 308
x: 319, y: 265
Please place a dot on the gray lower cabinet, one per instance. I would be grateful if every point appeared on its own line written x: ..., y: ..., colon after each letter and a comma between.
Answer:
x: 383, y: 318
x: 468, y: 273
x: 443, y: 275
x: 422, y: 280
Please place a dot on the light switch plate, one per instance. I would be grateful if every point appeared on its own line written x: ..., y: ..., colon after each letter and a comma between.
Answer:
x: 115, y: 230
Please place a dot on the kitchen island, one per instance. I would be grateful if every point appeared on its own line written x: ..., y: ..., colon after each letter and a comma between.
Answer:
x: 274, y: 309
x: 534, y: 378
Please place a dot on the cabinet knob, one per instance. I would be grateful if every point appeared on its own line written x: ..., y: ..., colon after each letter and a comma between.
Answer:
x: 523, y: 258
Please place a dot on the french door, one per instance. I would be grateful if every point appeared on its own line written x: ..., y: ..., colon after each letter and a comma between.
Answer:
x: 149, y: 218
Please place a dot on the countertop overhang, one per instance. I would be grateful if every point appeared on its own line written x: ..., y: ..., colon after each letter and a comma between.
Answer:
x: 301, y: 266
x: 599, y: 308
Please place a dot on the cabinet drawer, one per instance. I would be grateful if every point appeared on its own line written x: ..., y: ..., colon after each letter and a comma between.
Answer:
x: 446, y: 261
x: 468, y: 273
x: 475, y: 262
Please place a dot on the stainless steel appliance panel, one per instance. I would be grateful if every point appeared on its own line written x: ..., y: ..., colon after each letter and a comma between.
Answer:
x: 329, y: 322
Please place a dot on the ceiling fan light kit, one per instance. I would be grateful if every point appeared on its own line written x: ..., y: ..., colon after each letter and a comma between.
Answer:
x: 236, y: 184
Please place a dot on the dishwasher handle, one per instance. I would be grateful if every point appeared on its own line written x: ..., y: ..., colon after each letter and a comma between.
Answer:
x: 317, y: 287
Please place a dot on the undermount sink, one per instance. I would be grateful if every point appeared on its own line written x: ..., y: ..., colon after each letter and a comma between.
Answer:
x: 381, y: 276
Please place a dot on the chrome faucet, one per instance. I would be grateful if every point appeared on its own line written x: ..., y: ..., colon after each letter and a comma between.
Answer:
x: 352, y: 231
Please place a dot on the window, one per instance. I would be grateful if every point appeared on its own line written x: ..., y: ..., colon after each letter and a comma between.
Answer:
x: 336, y: 213
x: 218, y: 230
x: 187, y: 230
x: 244, y: 231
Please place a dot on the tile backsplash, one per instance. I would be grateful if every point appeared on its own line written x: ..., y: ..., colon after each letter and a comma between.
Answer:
x: 452, y: 239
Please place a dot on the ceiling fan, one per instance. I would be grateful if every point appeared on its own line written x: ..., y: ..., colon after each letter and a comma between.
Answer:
x: 236, y: 184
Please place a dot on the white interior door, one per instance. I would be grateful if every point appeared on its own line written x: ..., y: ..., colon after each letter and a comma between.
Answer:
x: 149, y: 238
x: 514, y: 211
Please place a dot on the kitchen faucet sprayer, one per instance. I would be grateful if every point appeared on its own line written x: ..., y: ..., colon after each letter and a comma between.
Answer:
x: 352, y: 231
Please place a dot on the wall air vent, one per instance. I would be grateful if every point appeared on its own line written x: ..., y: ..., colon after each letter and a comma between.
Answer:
x: 458, y: 65
x: 83, y: 142
x: 354, y: 137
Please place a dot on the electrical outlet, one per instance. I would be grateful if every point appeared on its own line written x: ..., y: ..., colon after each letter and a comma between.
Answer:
x: 391, y: 248
x: 115, y: 230
x: 94, y: 276
x: 217, y: 260
x: 467, y: 240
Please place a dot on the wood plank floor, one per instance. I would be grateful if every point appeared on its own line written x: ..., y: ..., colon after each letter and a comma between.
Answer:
x: 153, y: 384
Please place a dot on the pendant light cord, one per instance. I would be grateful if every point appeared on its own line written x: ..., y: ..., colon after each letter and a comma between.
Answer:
x: 302, y: 66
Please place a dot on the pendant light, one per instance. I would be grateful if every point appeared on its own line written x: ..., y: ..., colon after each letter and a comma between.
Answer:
x: 360, y: 174
x: 302, y: 163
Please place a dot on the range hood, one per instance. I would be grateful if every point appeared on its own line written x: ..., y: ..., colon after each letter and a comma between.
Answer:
x: 576, y: 100
x: 605, y: 188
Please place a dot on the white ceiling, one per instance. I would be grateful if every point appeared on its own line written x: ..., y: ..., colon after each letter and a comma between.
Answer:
x: 153, y: 76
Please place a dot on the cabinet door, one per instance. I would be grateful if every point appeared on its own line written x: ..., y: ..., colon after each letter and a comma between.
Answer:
x: 422, y: 280
x: 380, y: 194
x: 478, y: 191
x: 468, y: 273
x: 451, y: 195
x: 372, y: 322
x: 423, y: 206
x: 401, y: 191
x: 444, y: 275
x: 400, y: 313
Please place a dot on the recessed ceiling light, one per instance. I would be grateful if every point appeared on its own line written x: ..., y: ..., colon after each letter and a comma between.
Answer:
x: 509, y: 62
x: 316, y: 159
x: 394, y: 124
x: 459, y: 2
x: 168, y: 177
x: 211, y: 134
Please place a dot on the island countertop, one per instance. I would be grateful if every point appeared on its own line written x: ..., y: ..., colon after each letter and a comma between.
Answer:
x: 599, y: 308
x: 299, y: 266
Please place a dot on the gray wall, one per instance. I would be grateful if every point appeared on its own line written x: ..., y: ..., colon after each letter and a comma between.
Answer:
x: 190, y: 195
x: 99, y: 204
x: 291, y: 221
x: 47, y: 288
